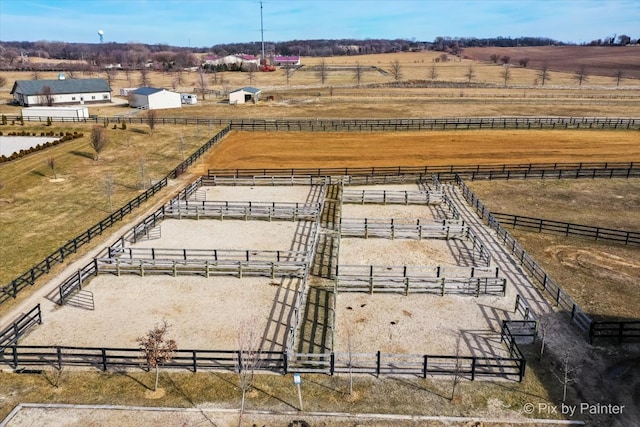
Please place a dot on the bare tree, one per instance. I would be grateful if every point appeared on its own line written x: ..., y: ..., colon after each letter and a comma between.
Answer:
x: 183, y: 145
x: 396, y: 70
x: 152, y: 120
x: 350, y: 359
x: 581, y: 75
x: 248, y: 359
x: 288, y: 72
x: 506, y: 74
x: 567, y: 374
x: 494, y: 58
x: 144, y: 76
x: 505, y: 59
x: 110, y: 74
x: 109, y: 189
x: 470, y: 74
x: 619, y: 76
x: 250, y: 75
x: 51, y: 163
x: 46, y: 98
x: 142, y: 162
x: 358, y: 71
x: 543, y: 74
x: 3, y: 81
x: 546, y: 323
x: 203, y: 85
x: 156, y: 348
x: 433, y: 72
x: 323, y: 71
x: 457, y: 370
x: 99, y: 140
x: 523, y: 62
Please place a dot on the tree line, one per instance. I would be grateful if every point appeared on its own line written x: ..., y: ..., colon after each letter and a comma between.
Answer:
x: 14, y: 54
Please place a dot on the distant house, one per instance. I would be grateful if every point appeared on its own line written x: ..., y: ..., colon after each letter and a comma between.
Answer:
x: 285, y: 61
x: 150, y: 98
x: 60, y: 92
x: 244, y: 95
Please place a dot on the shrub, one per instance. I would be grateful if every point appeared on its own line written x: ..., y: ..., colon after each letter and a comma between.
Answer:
x: 123, y: 126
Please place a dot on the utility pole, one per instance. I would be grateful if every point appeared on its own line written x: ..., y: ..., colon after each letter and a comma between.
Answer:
x: 264, y: 60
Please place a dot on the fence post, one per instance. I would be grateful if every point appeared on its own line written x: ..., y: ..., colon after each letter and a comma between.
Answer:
x: 473, y: 368
x: 14, y: 351
x: 378, y: 357
x: 195, y: 361
x: 332, y: 363
x: 104, y: 359
x: 424, y: 366
x: 285, y: 360
x: 523, y: 365
x: 59, y: 353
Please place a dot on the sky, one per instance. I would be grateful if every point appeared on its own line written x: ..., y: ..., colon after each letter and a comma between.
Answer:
x: 205, y: 23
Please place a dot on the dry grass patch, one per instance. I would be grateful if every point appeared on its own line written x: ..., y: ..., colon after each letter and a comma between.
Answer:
x: 601, y: 277
x: 39, y: 215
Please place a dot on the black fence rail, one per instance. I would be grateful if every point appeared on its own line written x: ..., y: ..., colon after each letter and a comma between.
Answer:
x: 28, y: 278
x: 11, y: 334
x: 563, y: 301
x: 495, y: 171
x: 389, y: 197
x: 568, y: 229
x: 118, y: 358
x: 73, y: 283
x: 407, y: 364
x: 371, y: 125
x: 620, y: 332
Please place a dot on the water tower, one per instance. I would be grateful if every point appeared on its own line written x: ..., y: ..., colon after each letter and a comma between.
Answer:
x: 101, y: 35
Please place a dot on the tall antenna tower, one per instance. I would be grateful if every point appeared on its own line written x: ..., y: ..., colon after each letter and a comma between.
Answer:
x: 264, y: 60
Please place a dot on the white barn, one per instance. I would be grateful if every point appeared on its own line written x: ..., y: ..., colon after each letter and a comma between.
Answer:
x: 150, y: 98
x: 244, y: 95
x: 60, y: 92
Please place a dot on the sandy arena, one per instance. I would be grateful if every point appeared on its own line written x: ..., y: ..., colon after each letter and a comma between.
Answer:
x: 207, y: 313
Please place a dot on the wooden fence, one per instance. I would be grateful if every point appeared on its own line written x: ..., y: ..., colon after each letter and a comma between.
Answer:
x: 616, y: 331
x: 562, y: 300
x: 372, y: 125
x: 439, y: 280
x: 118, y: 358
x: 263, y: 180
x: 242, y: 210
x: 388, y: 197
x: 569, y: 229
x: 59, y: 255
x: 485, y: 171
x: 394, y: 229
x: 206, y: 268
x: 380, y: 363
x: 12, y: 333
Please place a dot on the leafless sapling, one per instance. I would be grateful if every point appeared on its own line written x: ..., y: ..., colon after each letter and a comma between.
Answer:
x: 396, y: 70
x: 156, y: 348
x: 248, y: 359
x: 99, y: 140
x: 51, y: 163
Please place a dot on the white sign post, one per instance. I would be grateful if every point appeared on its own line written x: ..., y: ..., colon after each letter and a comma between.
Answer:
x: 297, y: 380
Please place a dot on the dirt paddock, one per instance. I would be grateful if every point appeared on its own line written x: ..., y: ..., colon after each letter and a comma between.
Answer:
x: 207, y: 313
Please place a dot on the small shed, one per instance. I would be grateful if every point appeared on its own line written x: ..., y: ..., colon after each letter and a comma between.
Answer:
x: 150, y: 98
x: 244, y: 95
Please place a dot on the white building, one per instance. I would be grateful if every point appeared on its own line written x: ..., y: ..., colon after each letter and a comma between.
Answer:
x: 189, y: 98
x: 150, y: 98
x: 65, y: 112
x: 61, y: 92
x: 244, y: 95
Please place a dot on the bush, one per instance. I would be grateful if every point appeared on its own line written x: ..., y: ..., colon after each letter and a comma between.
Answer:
x: 123, y: 126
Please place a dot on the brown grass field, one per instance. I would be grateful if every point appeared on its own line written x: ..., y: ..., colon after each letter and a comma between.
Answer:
x: 300, y: 149
x: 601, y: 277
